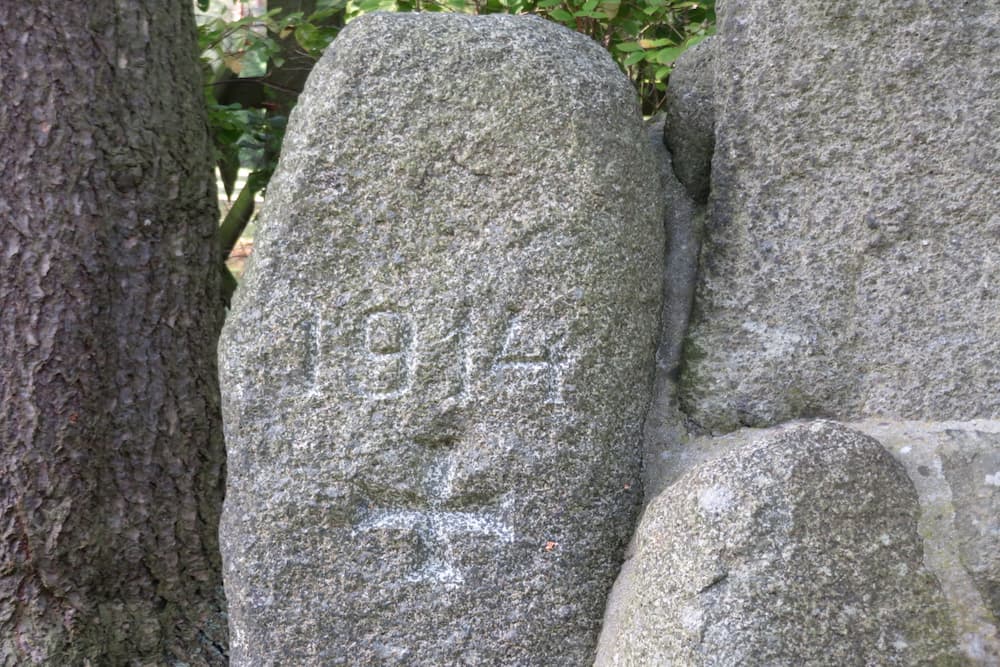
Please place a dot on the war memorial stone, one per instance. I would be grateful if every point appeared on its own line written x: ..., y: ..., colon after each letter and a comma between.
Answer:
x: 437, y: 369
x: 437, y: 373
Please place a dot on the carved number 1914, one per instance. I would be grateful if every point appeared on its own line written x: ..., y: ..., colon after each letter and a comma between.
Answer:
x: 389, y: 347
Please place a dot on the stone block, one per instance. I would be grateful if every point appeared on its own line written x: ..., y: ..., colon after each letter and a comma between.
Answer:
x: 852, y: 250
x: 800, y: 545
x: 436, y: 373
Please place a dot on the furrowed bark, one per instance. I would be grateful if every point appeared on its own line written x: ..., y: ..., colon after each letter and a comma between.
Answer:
x: 111, y: 454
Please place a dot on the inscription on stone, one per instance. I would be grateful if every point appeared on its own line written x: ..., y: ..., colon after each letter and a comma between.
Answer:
x: 388, y: 346
x: 523, y: 354
x: 441, y: 531
x: 425, y: 415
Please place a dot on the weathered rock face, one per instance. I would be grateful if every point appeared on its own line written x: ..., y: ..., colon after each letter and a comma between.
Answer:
x: 798, y: 548
x: 848, y: 264
x: 955, y: 467
x: 436, y: 372
x: 852, y: 251
x: 689, y: 131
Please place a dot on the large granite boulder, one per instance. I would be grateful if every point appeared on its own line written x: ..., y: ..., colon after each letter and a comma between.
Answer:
x: 848, y: 266
x: 435, y: 375
x: 852, y: 251
x: 796, y: 546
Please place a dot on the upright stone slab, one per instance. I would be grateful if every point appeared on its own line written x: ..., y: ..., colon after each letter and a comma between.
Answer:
x: 852, y: 253
x: 436, y: 371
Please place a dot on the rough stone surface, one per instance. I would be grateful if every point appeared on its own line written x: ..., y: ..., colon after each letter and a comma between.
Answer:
x: 852, y: 253
x: 689, y: 130
x: 799, y: 548
x: 436, y: 371
x: 683, y: 221
x: 955, y: 467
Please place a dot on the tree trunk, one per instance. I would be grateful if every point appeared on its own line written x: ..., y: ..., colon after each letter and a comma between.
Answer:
x: 112, y: 456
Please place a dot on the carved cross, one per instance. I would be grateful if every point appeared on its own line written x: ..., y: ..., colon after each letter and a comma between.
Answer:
x: 440, y: 530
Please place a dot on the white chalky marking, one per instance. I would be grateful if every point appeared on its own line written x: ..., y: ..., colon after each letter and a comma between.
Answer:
x: 439, y: 529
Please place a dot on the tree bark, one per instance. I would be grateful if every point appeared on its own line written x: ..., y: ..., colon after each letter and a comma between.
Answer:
x: 111, y: 454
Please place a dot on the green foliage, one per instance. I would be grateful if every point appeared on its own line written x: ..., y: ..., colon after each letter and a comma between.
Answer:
x: 248, y: 44
x: 247, y: 110
x: 252, y: 61
x: 644, y: 36
x: 244, y: 138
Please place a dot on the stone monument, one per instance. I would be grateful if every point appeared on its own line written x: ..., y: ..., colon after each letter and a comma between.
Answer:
x: 436, y: 373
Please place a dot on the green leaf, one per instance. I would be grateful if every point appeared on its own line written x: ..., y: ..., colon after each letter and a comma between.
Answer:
x: 321, y: 15
x: 545, y: 4
x: 695, y: 40
x: 662, y: 73
x: 656, y: 43
x: 633, y: 58
x: 628, y: 47
x: 610, y: 8
x: 589, y: 5
x: 668, y: 56
x: 203, y: 5
x: 305, y: 35
x: 561, y: 15
x: 372, y: 5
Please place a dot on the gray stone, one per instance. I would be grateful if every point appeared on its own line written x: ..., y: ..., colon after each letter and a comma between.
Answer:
x: 852, y: 252
x: 955, y: 467
x: 972, y: 467
x: 689, y: 130
x: 799, y: 548
x: 683, y: 223
x: 436, y: 372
